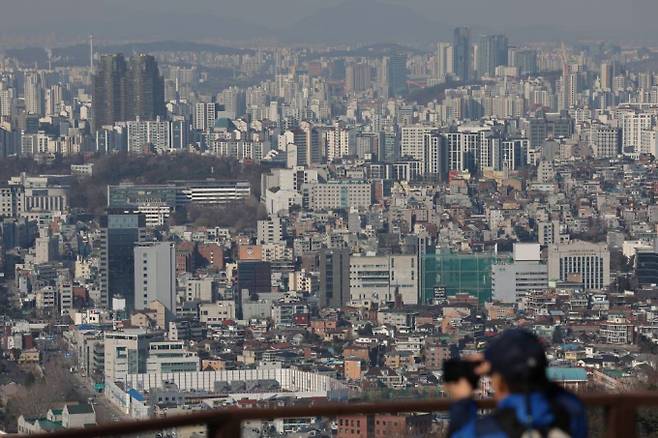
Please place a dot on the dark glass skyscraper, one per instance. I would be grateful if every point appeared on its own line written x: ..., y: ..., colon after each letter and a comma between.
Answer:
x: 461, y: 46
x: 397, y: 74
x: 120, y: 231
x: 110, y: 102
x: 334, y: 267
x: 646, y: 267
x: 146, y: 89
x: 127, y: 90
x: 254, y: 276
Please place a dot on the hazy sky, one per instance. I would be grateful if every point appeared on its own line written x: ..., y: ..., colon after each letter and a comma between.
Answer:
x: 298, y: 19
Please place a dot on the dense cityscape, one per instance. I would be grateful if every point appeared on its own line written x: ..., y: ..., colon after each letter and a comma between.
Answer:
x: 188, y: 226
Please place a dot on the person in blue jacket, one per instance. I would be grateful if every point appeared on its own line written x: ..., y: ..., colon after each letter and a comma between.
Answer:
x: 528, y: 404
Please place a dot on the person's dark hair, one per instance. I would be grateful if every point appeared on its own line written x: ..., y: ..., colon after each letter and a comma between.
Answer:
x: 519, y: 357
x: 532, y: 382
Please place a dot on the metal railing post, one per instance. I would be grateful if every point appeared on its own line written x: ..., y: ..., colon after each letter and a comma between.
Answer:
x: 224, y: 427
x: 621, y: 420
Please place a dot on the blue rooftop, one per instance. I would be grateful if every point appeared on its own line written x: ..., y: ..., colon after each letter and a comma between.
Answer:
x: 566, y: 374
x: 136, y: 394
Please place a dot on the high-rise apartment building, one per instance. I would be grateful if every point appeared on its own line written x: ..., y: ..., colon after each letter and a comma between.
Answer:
x: 339, y: 141
x: 412, y: 141
x: 33, y: 93
x: 633, y: 123
x: 571, y: 84
x: 357, y: 77
x: 205, y: 115
x: 270, y: 230
x: 7, y: 100
x: 435, y: 156
x: 444, y: 60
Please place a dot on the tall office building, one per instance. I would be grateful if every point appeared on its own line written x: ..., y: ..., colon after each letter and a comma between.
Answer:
x: 334, y: 277
x: 444, y: 60
x: 526, y: 273
x: 146, y: 89
x: 315, y: 145
x: 254, y: 276
x: 126, y: 352
x: 304, y: 145
x: 461, y: 53
x: 646, y: 265
x: 492, y: 52
x: 389, y: 146
x: 125, y: 91
x: 7, y: 143
x: 606, y: 76
x: 605, y: 140
x: 110, y: 101
x: 397, y: 74
x: 120, y: 231
x: 171, y: 357
x: 384, y: 279
x: 155, y: 274
x: 583, y: 262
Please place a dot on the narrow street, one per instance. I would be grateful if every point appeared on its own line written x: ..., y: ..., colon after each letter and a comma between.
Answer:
x: 105, y: 411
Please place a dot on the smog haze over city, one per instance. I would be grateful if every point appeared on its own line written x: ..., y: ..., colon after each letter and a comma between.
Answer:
x: 329, y: 218
x: 325, y: 21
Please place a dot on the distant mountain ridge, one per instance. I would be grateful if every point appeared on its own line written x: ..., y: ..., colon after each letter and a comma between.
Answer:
x: 365, y: 22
